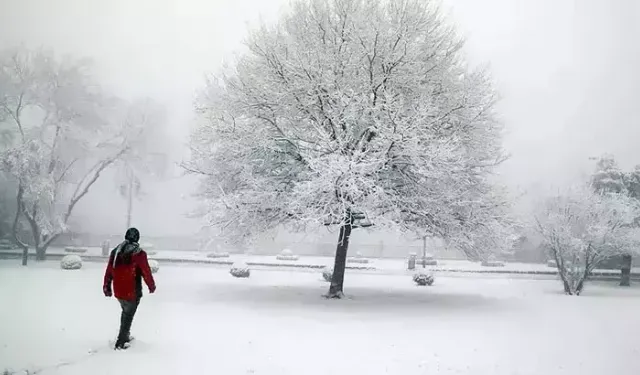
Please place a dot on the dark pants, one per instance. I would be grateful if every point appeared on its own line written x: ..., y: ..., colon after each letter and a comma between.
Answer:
x: 129, y: 309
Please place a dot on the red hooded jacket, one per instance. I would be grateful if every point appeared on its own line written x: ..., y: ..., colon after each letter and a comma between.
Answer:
x: 128, y: 266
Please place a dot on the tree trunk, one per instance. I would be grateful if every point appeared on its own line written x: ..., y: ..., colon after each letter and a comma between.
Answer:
x: 567, y: 287
x: 340, y: 263
x: 625, y: 270
x: 130, y: 200
x: 41, y: 253
x: 25, y: 255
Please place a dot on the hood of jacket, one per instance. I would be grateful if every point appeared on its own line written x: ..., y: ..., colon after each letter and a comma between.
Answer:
x: 126, y: 248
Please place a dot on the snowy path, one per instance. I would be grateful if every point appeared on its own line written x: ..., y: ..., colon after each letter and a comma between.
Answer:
x: 203, y: 321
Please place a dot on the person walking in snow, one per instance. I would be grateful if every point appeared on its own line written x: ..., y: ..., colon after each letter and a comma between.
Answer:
x: 128, y: 266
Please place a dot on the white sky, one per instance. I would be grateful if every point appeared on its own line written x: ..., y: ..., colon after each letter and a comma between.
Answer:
x: 567, y: 71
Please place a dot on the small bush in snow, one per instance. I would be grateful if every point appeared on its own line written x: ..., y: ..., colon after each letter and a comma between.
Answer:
x: 240, y: 269
x: 76, y: 250
x: 287, y: 254
x: 218, y: 254
x: 327, y: 273
x: 154, y: 265
x: 71, y: 262
x: 423, y: 279
x: 552, y: 263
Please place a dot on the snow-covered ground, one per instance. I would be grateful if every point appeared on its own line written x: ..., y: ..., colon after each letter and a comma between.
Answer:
x: 203, y: 321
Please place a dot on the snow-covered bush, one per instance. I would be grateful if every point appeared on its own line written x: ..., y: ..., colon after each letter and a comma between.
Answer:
x: 491, y: 261
x: 552, y: 263
x: 218, y: 254
x: 71, y: 262
x: 327, y: 273
x: 76, y: 249
x: 154, y: 265
x: 582, y: 228
x: 423, y: 279
x: 240, y: 269
x: 287, y: 254
x: 359, y: 258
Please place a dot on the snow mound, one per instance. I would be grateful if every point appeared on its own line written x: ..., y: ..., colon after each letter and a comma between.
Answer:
x: 423, y: 279
x: 154, y: 265
x: 240, y: 269
x: 327, y: 273
x: 287, y: 254
x: 218, y: 254
x: 76, y: 249
x: 71, y: 262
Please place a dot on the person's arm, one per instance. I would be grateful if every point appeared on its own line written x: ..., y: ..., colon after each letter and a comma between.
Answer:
x: 143, y: 263
x: 108, y: 277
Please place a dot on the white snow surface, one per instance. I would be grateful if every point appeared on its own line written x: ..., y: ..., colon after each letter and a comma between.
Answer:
x: 201, y: 321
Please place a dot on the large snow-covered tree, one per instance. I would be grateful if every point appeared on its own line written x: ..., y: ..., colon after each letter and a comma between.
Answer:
x: 351, y: 109
x: 66, y: 132
x: 583, y: 227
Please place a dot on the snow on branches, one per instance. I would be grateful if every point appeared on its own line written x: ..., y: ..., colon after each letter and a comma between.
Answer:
x: 349, y: 104
x: 582, y: 228
x: 65, y: 133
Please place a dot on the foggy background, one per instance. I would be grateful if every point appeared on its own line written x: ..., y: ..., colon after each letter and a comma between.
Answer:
x: 567, y: 72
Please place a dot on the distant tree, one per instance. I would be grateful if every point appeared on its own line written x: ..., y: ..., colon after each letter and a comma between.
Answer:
x: 582, y: 228
x: 66, y: 133
x: 349, y: 112
x: 608, y: 178
x: 147, y: 157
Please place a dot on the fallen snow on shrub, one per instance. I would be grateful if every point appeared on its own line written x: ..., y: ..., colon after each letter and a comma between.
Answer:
x: 287, y: 254
x: 76, y: 249
x: 154, y: 265
x: 240, y: 269
x: 218, y: 254
x: 423, y: 279
x: 146, y: 246
x: 552, y: 263
x: 327, y: 273
x: 71, y: 262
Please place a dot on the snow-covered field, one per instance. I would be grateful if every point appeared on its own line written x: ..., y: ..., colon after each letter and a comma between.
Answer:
x: 203, y: 321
